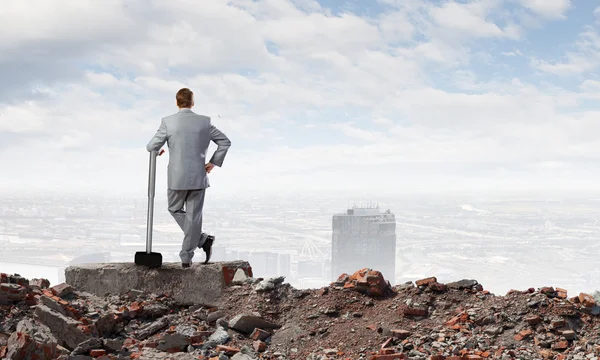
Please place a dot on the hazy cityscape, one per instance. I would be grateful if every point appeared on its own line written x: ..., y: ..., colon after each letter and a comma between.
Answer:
x: 502, y: 241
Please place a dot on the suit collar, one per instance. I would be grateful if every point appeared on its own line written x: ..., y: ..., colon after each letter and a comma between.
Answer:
x: 185, y: 110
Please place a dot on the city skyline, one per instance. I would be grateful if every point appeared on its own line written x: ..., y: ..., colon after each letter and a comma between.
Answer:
x: 503, y: 242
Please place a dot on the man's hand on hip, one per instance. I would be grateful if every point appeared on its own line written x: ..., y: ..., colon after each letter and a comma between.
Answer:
x: 209, y: 167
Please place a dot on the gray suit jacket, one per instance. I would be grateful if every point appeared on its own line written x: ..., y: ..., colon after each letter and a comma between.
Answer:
x: 188, y: 135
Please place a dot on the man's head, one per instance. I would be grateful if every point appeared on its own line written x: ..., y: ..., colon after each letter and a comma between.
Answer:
x: 185, y: 98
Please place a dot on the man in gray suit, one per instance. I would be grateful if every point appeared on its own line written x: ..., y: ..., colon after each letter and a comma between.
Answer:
x: 188, y: 136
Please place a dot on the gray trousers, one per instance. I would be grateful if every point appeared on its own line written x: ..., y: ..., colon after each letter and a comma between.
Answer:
x: 190, y: 220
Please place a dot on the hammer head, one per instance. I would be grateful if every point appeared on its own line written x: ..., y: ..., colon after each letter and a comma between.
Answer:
x: 151, y: 260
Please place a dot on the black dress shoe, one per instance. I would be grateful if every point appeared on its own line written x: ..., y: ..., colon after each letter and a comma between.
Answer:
x: 185, y: 265
x: 207, y: 247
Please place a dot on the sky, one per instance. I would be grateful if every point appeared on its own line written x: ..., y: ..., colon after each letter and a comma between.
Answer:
x: 379, y: 95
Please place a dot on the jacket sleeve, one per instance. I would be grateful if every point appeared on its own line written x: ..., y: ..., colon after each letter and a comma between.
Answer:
x: 223, y: 144
x: 159, y: 138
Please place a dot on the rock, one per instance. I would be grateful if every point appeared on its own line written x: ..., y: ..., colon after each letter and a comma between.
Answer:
x: 70, y: 332
x: 114, y: 345
x: 214, y: 316
x: 173, y: 342
x: 200, y: 284
x: 154, y: 327
x: 219, y: 337
x: 85, y: 347
x: 269, y: 284
x: 462, y: 284
x: 11, y: 293
x: 240, y: 277
x: 32, y: 341
x: 62, y: 290
x: 247, y: 323
x: 241, y: 356
x: 40, y: 283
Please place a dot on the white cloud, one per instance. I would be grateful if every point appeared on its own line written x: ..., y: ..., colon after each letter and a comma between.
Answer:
x: 585, y: 57
x: 344, y: 100
x: 548, y: 8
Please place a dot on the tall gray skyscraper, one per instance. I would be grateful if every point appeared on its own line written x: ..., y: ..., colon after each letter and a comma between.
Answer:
x: 364, y: 237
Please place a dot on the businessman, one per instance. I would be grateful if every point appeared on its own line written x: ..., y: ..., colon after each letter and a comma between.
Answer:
x: 188, y: 135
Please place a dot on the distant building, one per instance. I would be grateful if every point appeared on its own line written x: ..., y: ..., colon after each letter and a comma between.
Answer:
x: 363, y: 237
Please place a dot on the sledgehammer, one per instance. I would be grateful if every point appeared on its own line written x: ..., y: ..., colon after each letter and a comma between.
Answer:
x: 149, y: 258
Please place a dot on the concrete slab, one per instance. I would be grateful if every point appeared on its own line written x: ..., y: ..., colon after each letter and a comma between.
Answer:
x: 199, y: 284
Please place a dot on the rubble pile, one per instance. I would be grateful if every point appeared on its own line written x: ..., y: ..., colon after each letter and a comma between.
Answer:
x: 359, y: 316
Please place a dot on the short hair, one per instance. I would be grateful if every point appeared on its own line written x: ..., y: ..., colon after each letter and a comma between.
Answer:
x: 184, y: 97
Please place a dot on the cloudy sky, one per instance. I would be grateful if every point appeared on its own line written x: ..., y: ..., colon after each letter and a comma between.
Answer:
x: 331, y: 94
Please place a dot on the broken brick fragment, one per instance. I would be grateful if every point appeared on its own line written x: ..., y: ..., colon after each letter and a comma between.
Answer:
x: 366, y: 281
x: 228, y: 350
x: 523, y: 334
x: 587, y: 300
x: 259, y: 346
x: 426, y: 281
x: 414, y: 311
x: 533, y: 320
x: 400, y: 334
x: 97, y: 353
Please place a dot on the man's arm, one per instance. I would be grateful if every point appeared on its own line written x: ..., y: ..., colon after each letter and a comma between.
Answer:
x: 159, y: 138
x: 223, y: 144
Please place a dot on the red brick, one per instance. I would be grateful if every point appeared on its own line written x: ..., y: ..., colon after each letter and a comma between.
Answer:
x: 228, y: 350
x: 587, y: 300
x: 229, y: 273
x: 259, y: 346
x: 560, y: 345
x: 426, y: 281
x: 388, y: 357
x: 97, y: 353
x: 387, y: 343
x: 259, y: 334
x: 533, y: 320
x: 547, y: 290
x: 387, y: 351
x: 461, y: 318
x: 400, y: 334
x: 522, y: 334
x: 135, y: 308
x: 129, y: 343
x: 557, y: 323
x: 407, y: 310
x: 436, y: 286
